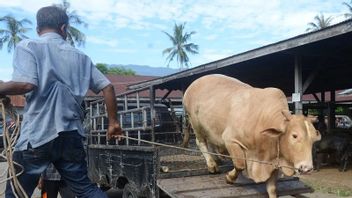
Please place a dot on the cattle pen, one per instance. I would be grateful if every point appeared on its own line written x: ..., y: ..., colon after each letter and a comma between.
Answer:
x: 316, y: 64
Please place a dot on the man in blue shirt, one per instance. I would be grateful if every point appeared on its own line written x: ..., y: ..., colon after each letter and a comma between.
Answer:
x: 55, y: 77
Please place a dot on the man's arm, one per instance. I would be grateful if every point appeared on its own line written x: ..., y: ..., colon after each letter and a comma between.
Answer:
x: 15, y: 88
x: 114, y: 130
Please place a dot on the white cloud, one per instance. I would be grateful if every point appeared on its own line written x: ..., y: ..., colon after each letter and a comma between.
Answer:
x: 31, y: 6
x: 254, y: 22
x: 211, y: 37
x: 121, y: 50
x: 209, y: 55
x: 102, y: 41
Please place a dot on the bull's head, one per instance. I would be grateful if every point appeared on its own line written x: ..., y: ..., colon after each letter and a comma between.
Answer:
x: 297, y: 141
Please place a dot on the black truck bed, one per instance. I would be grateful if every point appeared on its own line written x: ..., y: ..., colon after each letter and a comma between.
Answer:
x: 204, y: 186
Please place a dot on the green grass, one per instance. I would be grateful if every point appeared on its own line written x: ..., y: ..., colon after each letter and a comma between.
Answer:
x: 340, y: 191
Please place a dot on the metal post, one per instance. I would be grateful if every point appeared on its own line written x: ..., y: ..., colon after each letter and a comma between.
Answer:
x: 298, y: 85
x: 331, y: 109
x: 137, y: 100
x: 152, y: 111
x: 138, y: 106
x: 125, y: 102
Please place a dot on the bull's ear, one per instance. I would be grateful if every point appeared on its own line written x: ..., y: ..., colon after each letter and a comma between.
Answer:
x: 274, y: 133
x: 286, y: 114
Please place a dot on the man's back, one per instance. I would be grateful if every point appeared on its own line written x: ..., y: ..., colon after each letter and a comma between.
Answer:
x: 62, y: 75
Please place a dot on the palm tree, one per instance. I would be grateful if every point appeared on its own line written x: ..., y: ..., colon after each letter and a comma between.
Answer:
x: 320, y: 23
x: 349, y: 6
x: 180, y: 46
x: 74, y: 35
x: 14, y: 32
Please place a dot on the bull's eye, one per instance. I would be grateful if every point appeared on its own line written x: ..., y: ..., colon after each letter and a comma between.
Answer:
x: 294, y: 136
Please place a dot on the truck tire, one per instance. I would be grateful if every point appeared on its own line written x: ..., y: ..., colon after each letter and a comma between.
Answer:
x: 129, y: 191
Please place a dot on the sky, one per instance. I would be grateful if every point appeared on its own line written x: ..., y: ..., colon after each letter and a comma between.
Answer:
x: 131, y: 32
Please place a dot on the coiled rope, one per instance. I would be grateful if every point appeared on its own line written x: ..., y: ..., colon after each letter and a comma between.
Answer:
x: 276, y: 165
x: 9, y: 140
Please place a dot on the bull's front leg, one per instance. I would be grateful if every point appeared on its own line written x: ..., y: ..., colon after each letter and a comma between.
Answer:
x: 211, y: 164
x: 237, y: 154
x: 239, y: 163
x: 271, y: 184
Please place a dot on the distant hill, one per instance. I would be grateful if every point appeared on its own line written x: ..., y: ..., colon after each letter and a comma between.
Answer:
x: 146, y: 70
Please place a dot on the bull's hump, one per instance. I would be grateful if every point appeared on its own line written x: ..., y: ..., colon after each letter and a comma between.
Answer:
x: 220, y: 79
x: 274, y: 92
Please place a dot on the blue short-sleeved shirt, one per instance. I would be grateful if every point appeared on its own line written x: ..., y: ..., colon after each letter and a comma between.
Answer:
x: 62, y: 76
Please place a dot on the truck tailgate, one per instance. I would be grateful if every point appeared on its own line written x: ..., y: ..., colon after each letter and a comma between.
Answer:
x: 215, y: 186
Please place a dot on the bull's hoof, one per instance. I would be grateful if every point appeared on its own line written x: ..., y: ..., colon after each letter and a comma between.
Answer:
x: 213, y: 169
x: 229, y: 179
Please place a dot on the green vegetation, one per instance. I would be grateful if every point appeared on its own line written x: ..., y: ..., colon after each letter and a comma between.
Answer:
x: 74, y: 35
x: 14, y: 32
x: 120, y: 70
x: 180, y: 46
x: 340, y: 191
x: 349, y: 6
x: 320, y: 22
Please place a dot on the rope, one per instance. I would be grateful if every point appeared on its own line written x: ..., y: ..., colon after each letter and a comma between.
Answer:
x: 276, y: 165
x: 9, y: 141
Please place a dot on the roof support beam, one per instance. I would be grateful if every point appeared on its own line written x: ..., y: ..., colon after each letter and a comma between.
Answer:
x: 298, y: 85
x: 166, y: 95
x: 316, y: 97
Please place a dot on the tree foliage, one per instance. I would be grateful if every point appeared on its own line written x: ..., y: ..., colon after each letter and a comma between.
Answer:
x: 349, y: 6
x: 180, y: 46
x: 14, y: 31
x: 102, y: 67
x: 119, y: 70
x: 320, y: 22
x: 74, y: 35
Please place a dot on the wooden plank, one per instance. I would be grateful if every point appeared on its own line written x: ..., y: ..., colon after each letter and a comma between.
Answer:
x: 206, y: 186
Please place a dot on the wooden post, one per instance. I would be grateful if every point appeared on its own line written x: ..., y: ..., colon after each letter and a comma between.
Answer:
x: 152, y: 110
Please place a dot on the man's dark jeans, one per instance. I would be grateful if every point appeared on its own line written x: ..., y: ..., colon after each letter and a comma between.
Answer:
x: 66, y: 152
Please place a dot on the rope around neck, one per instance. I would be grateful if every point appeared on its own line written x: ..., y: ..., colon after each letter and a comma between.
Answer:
x: 276, y: 165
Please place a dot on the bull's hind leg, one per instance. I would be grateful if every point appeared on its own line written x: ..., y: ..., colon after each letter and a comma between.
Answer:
x: 239, y: 163
x: 203, y: 146
x: 211, y: 164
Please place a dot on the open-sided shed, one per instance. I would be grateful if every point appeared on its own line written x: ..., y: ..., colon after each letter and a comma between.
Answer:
x: 314, y: 62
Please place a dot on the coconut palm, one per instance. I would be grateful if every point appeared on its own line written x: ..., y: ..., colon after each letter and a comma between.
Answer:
x: 349, y: 6
x: 320, y: 23
x: 74, y: 35
x: 180, y: 46
x: 14, y: 31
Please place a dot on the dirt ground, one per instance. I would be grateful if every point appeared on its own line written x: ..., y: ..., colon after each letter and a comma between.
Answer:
x: 330, y: 181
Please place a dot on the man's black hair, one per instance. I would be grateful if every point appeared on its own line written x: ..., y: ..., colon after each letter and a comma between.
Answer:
x: 51, y: 17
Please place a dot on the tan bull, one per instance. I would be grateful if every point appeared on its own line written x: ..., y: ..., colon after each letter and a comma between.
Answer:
x: 249, y: 123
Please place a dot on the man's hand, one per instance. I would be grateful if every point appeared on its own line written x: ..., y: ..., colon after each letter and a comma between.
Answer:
x: 114, y: 131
